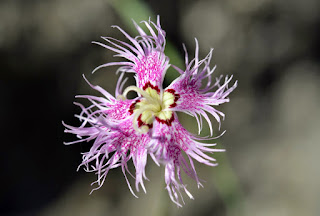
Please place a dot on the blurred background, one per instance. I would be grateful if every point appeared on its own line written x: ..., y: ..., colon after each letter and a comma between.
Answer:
x: 272, y: 121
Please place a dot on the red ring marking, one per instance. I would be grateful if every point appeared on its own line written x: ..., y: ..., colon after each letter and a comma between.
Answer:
x: 167, y: 122
x: 149, y: 85
x: 132, y: 106
x: 141, y: 123
x: 176, y: 97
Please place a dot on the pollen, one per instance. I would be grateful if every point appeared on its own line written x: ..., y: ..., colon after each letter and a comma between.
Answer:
x: 151, y: 105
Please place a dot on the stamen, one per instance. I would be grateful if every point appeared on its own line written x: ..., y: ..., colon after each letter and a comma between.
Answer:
x: 138, y: 90
x: 121, y: 97
x: 139, y: 112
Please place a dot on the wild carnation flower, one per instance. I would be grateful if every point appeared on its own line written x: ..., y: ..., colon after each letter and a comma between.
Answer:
x: 124, y: 129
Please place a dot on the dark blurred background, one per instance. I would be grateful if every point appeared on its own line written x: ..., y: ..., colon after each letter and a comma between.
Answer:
x: 272, y: 122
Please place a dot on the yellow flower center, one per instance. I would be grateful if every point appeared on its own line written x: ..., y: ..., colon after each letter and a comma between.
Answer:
x: 154, y: 104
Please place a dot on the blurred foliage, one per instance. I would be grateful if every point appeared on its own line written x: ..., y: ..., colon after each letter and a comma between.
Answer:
x: 270, y: 46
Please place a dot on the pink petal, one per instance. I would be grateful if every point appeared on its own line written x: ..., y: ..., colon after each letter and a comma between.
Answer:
x: 167, y: 145
x: 144, y: 56
x: 195, y: 97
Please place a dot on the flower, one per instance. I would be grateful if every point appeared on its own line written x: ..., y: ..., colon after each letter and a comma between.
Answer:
x: 122, y: 129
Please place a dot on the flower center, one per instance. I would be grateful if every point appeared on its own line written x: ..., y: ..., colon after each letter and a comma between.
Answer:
x: 152, y: 105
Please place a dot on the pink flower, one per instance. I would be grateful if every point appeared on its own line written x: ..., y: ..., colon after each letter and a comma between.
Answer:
x: 122, y: 129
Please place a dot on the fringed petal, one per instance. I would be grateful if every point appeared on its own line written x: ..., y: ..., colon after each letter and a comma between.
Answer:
x: 144, y: 56
x: 109, y: 123
x: 196, y: 97
x: 167, y: 145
